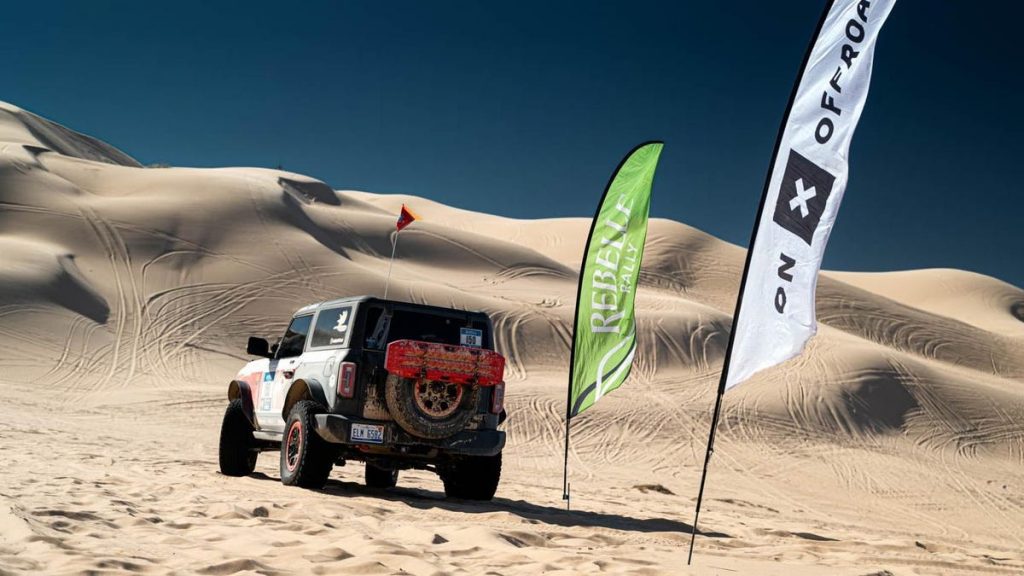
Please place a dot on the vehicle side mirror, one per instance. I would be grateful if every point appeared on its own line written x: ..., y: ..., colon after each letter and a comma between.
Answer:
x: 257, y: 347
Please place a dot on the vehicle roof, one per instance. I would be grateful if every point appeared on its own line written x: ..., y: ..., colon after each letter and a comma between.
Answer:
x: 371, y: 299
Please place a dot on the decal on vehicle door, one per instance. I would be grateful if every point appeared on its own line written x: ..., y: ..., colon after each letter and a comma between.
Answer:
x: 266, y: 391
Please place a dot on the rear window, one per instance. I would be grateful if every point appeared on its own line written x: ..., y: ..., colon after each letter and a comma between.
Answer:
x: 332, y: 327
x: 425, y: 327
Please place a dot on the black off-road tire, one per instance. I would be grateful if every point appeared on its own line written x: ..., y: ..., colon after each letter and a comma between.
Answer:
x: 472, y: 477
x: 380, y: 477
x: 238, y: 448
x: 399, y: 394
x: 306, y: 459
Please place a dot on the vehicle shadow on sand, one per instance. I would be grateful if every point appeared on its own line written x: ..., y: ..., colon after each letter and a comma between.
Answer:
x: 557, y: 516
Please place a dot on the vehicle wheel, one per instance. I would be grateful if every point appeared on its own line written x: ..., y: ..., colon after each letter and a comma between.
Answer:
x: 430, y: 409
x: 238, y: 450
x: 306, y: 459
x: 472, y: 477
x: 380, y: 477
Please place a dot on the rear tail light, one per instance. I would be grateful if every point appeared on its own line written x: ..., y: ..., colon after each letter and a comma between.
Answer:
x: 347, y: 380
x: 498, y: 398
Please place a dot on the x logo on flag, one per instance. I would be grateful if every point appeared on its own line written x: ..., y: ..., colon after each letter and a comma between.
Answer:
x: 803, y: 195
x: 801, y: 198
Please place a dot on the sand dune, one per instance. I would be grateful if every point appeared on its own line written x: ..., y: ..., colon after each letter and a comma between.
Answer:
x: 894, y: 445
x: 971, y: 298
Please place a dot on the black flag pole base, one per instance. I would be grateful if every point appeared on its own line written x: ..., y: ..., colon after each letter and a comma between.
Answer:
x: 565, y: 496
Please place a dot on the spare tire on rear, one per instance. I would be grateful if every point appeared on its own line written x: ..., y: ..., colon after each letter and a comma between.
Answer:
x: 428, y: 408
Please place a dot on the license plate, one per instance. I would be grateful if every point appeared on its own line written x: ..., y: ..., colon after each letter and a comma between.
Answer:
x: 369, y: 433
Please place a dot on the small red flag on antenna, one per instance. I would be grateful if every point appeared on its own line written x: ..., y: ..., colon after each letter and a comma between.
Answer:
x: 405, y: 218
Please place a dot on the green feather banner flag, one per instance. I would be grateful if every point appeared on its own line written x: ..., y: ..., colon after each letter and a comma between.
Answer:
x: 604, y: 334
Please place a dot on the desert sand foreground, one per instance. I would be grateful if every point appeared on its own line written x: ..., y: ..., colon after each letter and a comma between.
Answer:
x: 895, y: 445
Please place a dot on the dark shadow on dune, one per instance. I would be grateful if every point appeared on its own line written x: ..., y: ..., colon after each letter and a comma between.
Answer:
x: 813, y: 537
x: 35, y: 151
x: 71, y: 290
x: 1018, y: 311
x: 879, y: 403
x: 298, y: 217
x: 556, y: 516
x: 309, y: 192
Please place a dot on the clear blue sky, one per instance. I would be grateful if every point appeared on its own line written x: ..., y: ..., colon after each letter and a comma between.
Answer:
x: 524, y: 108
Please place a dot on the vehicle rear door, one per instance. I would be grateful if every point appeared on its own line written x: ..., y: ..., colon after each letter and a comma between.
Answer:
x: 328, y: 345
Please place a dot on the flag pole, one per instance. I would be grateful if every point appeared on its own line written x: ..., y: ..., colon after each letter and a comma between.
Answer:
x: 746, y: 270
x: 565, y: 469
x: 391, y: 263
x: 707, y: 459
x: 568, y: 392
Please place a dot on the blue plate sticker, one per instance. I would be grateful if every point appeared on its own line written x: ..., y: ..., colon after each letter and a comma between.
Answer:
x: 471, y: 337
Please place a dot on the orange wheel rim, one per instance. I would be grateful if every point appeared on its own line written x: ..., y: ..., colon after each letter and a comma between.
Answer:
x: 437, y: 399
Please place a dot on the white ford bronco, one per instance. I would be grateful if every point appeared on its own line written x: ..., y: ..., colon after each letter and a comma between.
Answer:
x: 391, y: 384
